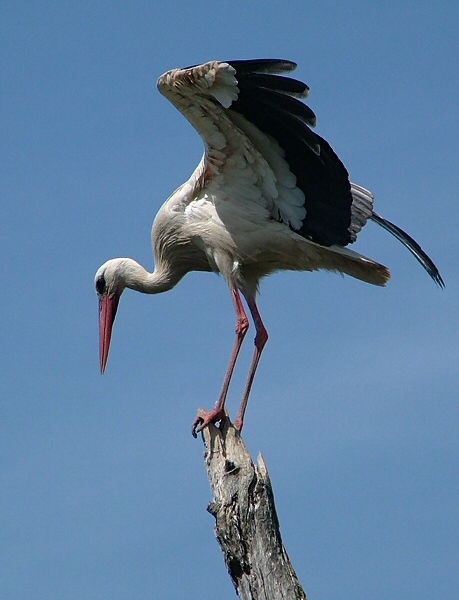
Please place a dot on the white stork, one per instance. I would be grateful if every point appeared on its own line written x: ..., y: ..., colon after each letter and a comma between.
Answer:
x: 268, y: 195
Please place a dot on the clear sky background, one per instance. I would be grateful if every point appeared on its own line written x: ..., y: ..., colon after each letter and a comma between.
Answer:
x: 355, y: 406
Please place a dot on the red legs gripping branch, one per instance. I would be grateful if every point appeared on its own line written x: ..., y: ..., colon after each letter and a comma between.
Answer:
x: 218, y: 412
x: 242, y: 326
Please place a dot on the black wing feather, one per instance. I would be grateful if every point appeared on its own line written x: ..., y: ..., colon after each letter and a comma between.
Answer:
x: 288, y: 105
x: 262, y: 65
x: 275, y: 83
x: 271, y: 102
x: 412, y: 246
x: 320, y: 174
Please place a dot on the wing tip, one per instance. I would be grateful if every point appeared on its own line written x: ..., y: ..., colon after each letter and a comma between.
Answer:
x: 263, y: 65
x: 438, y: 279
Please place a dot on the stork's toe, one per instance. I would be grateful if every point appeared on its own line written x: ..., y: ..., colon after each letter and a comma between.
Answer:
x: 204, y: 418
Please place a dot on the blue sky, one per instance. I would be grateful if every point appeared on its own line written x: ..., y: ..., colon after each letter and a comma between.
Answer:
x: 355, y: 403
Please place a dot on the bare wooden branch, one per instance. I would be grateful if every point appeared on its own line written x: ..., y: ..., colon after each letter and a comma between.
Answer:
x: 246, y: 526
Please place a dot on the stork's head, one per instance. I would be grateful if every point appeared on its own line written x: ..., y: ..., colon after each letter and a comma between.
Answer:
x: 110, y: 281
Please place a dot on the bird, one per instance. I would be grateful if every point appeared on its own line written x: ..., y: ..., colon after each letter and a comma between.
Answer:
x: 269, y: 194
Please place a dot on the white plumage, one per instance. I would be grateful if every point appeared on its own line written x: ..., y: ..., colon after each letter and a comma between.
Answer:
x: 268, y: 195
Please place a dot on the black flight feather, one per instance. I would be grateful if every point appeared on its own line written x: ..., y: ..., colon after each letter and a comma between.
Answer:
x: 263, y: 65
x: 271, y: 103
x: 412, y: 246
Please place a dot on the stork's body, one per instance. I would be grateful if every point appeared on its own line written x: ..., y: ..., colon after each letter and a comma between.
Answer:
x: 268, y: 195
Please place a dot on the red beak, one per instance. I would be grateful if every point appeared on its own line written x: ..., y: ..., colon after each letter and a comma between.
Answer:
x: 107, y: 313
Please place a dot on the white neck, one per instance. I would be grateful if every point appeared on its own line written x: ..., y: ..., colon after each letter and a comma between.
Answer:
x: 130, y: 274
x: 161, y: 280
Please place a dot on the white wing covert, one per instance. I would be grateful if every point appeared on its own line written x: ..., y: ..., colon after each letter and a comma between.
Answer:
x: 241, y: 163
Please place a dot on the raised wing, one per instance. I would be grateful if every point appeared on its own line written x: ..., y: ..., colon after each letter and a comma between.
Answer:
x: 260, y: 146
x: 245, y: 110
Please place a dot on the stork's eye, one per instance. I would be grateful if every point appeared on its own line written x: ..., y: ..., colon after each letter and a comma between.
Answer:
x: 101, y: 286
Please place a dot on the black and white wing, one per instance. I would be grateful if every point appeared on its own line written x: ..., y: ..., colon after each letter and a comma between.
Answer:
x: 257, y: 135
x: 241, y: 106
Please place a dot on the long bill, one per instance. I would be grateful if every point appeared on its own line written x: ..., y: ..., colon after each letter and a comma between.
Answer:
x: 107, y: 312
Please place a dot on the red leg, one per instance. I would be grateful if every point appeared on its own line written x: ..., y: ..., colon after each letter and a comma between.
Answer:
x: 261, y: 338
x: 218, y: 412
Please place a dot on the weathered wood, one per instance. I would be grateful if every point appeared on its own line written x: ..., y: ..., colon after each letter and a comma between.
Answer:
x: 246, y: 524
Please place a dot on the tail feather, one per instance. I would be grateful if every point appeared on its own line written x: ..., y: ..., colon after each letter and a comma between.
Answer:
x: 412, y: 246
x: 349, y: 262
x: 309, y: 256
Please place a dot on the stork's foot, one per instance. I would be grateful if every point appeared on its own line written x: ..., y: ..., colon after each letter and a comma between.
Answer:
x: 204, y: 418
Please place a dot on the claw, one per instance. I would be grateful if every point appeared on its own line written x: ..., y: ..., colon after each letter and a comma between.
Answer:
x: 196, y: 427
x: 205, y: 418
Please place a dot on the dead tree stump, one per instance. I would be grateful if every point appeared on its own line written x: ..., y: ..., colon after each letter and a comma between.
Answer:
x: 246, y: 524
